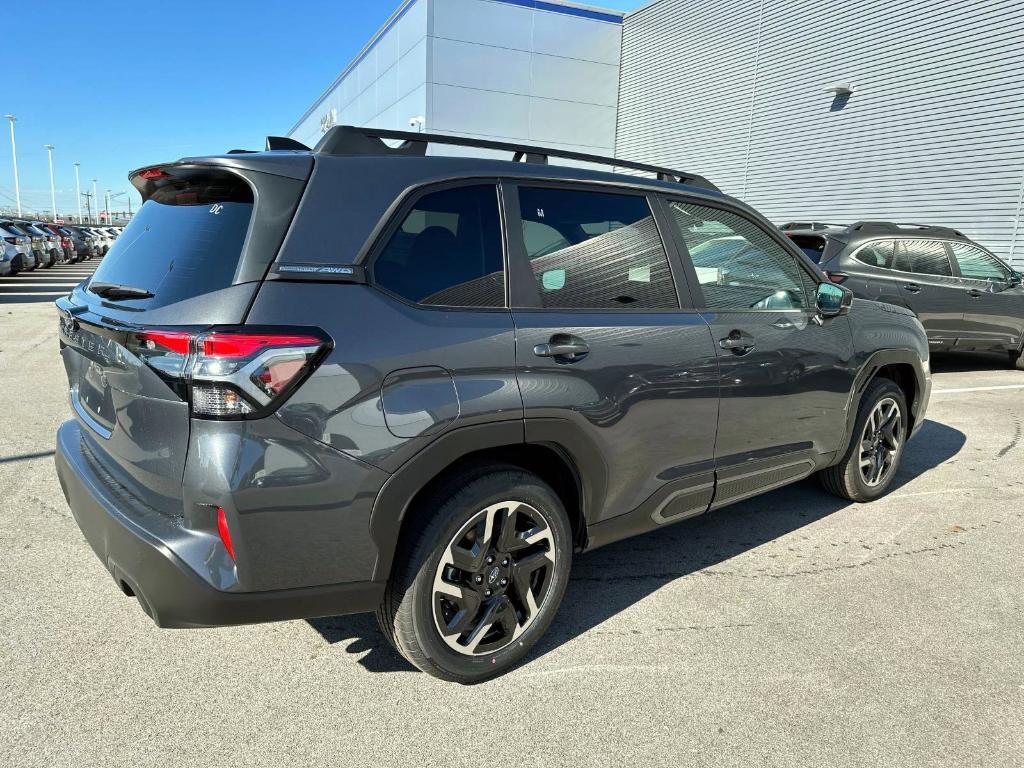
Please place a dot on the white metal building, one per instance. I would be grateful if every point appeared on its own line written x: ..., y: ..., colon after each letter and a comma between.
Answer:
x: 741, y: 91
x: 521, y: 70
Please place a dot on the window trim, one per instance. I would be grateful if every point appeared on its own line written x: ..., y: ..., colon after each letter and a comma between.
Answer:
x: 396, y: 215
x: 810, y: 270
x: 525, y: 296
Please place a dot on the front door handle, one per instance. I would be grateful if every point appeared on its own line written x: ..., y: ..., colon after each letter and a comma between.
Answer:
x: 974, y: 293
x: 912, y: 288
x: 738, y: 342
x: 563, y: 347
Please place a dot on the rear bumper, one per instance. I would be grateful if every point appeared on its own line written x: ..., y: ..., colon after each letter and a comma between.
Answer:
x: 169, y: 591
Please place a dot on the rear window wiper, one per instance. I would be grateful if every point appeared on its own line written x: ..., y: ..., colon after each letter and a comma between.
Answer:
x: 115, y: 291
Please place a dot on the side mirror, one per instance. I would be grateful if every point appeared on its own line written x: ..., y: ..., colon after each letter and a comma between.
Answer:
x: 832, y: 300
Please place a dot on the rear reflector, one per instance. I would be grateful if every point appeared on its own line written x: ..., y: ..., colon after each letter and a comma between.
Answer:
x: 837, y: 277
x: 224, y: 532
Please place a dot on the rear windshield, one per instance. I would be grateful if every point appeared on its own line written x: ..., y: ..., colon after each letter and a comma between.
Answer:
x: 812, y: 245
x: 185, y: 241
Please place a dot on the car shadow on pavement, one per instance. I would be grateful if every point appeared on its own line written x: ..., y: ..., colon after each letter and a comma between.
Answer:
x: 613, y: 578
x: 966, y: 362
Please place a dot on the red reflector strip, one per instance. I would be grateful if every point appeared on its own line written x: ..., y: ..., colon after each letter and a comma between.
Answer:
x: 246, y: 344
x: 175, y: 341
x: 224, y: 532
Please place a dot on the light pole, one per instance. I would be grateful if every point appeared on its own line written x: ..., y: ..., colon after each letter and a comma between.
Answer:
x: 96, y: 199
x: 113, y: 198
x: 14, y: 154
x: 106, y: 204
x: 53, y: 191
x: 78, y: 193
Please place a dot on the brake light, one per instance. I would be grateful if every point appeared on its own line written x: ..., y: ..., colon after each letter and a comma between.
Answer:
x: 178, y: 342
x: 224, y: 532
x: 154, y: 173
x: 837, y: 277
x: 228, y: 373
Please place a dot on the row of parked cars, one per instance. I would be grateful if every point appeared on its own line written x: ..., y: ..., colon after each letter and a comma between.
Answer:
x: 28, y: 244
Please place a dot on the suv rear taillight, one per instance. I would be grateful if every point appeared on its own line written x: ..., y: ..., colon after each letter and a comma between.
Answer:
x: 837, y: 277
x: 233, y: 372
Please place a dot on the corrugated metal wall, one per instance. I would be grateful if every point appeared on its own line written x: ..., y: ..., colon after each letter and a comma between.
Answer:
x: 933, y: 133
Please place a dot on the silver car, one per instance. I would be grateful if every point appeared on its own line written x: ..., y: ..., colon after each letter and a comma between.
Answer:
x: 16, y: 254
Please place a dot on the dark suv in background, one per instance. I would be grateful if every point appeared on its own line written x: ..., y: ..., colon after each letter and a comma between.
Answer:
x: 965, y: 296
x: 362, y: 378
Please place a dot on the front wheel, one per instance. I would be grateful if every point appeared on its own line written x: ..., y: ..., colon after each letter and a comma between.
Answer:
x: 479, y: 575
x: 872, y: 458
x: 1016, y: 359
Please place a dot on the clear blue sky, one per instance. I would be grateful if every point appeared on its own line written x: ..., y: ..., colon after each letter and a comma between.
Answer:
x: 117, y: 85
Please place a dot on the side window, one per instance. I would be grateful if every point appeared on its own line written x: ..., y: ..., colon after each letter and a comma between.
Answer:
x: 924, y: 257
x: 595, y: 250
x: 975, y: 264
x: 447, y: 252
x: 877, y: 254
x: 738, y: 264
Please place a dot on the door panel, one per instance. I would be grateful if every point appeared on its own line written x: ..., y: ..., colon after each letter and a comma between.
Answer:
x: 646, y: 394
x: 994, y: 311
x: 922, y: 279
x: 785, y: 379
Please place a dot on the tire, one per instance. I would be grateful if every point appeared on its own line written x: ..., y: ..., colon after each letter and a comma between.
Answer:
x: 1016, y: 359
x: 457, y: 512
x: 848, y: 479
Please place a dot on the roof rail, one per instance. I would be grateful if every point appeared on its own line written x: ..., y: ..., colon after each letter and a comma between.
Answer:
x: 348, y: 140
x: 895, y: 228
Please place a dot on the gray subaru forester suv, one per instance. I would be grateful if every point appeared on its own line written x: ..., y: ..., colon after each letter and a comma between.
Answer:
x: 365, y: 378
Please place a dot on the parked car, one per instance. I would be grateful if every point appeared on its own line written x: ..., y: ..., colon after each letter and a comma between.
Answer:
x: 966, y: 297
x: 67, y: 249
x: 90, y: 239
x: 16, y: 254
x: 103, y: 240
x: 37, y: 242
x: 377, y: 414
x: 51, y: 243
x: 81, y: 248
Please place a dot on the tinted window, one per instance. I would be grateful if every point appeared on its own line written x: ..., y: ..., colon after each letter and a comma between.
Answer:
x: 812, y: 245
x: 738, y: 264
x: 186, y: 240
x: 975, y: 264
x: 877, y: 254
x: 447, y: 251
x: 594, y: 250
x: 925, y: 257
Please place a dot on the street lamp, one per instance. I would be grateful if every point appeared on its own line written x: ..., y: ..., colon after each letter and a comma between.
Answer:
x: 106, y: 204
x: 96, y: 198
x: 14, y: 154
x: 78, y: 193
x: 53, y: 191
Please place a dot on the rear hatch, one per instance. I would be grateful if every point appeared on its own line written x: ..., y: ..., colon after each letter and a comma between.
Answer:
x: 812, y: 245
x: 191, y: 260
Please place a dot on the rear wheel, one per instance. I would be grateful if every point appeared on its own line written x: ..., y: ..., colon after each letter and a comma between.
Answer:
x: 479, y: 576
x: 872, y: 459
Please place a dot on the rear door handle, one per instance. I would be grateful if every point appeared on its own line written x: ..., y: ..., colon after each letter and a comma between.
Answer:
x: 564, y: 347
x: 912, y: 288
x: 738, y: 342
x: 974, y: 293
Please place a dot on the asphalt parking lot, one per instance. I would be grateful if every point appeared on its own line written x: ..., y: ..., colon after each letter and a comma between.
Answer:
x: 793, y: 629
